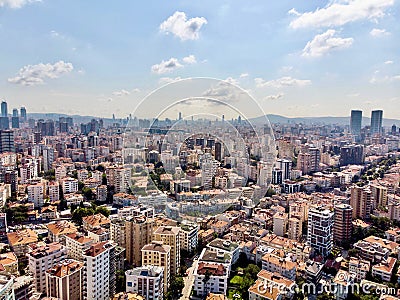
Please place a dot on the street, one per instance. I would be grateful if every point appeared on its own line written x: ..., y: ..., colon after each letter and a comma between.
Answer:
x: 189, y: 281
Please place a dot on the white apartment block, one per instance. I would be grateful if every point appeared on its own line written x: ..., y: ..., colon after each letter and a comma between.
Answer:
x: 36, y: 194
x: 70, y: 185
x: 188, y: 236
x: 54, y: 191
x: 97, y: 282
x: 76, y: 243
x: 146, y: 281
x: 217, y: 279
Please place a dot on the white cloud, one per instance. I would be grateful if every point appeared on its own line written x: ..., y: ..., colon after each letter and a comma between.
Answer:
x: 379, y: 32
x: 166, y: 66
x: 286, y: 81
x: 383, y: 79
x: 274, y: 97
x: 338, y: 13
x: 165, y: 80
x: 180, y: 26
x: 191, y: 59
x: 172, y: 64
x: 136, y: 90
x: 121, y: 93
x: 389, y: 62
x: 326, y: 42
x: 36, y: 74
x: 232, y: 80
x: 16, y: 3
x: 244, y: 75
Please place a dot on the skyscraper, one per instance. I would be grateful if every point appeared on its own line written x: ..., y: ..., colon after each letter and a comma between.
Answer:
x: 361, y: 202
x: 23, y: 113
x: 355, y: 122
x: 4, y: 112
x: 15, y: 119
x: 376, y: 121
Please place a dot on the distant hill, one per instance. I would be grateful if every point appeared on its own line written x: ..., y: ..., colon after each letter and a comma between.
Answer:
x: 320, y: 120
x: 272, y: 118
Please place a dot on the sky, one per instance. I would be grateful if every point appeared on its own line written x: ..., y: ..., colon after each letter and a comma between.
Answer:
x: 296, y: 58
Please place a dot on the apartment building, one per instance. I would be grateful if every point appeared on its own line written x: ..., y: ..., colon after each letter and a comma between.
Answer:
x: 169, y: 235
x: 76, y: 243
x: 64, y: 281
x: 147, y: 281
x: 94, y: 221
x: 158, y: 254
x: 359, y: 268
x: 139, y: 230
x: 41, y: 258
x: 210, y: 278
x: 320, y: 230
x: 285, y: 267
x: 59, y: 229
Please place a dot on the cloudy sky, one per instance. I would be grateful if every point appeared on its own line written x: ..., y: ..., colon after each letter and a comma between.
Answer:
x: 297, y: 58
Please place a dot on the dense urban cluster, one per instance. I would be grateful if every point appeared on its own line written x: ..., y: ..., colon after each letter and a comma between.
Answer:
x: 188, y: 209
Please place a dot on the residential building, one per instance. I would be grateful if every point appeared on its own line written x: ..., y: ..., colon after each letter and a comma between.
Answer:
x: 359, y: 268
x: 20, y: 240
x: 64, y: 281
x: 42, y: 258
x: 118, y: 231
x: 158, y: 254
x: 225, y: 246
x: 188, y: 236
x: 210, y: 278
x: 146, y: 281
x: 320, y: 230
x: 99, y: 273
x: 274, y: 263
x: 361, y: 202
x: 69, y: 185
x: 384, y: 270
x: 343, y: 225
x: 169, y: 235
x: 139, y: 230
x: 76, y: 243
x: 59, y: 229
x: 94, y: 221
x: 280, y: 221
x: 295, y: 231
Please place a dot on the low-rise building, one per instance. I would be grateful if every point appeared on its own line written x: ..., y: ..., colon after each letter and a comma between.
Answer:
x: 359, y: 268
x: 20, y: 240
x: 225, y: 246
x: 59, y: 229
x: 276, y: 264
x: 384, y: 269
x: 210, y: 278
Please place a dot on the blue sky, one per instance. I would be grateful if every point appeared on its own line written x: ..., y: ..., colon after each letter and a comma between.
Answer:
x: 297, y: 58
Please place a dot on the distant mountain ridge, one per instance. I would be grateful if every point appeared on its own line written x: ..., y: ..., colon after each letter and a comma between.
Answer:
x: 272, y: 118
x: 320, y: 120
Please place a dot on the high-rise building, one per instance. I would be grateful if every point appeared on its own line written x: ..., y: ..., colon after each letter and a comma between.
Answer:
x: 355, y: 122
x: 218, y: 151
x: 343, y: 223
x: 320, y: 230
x: 4, y: 112
x: 379, y: 195
x: 139, y: 232
x: 170, y: 236
x: 315, y: 159
x: 158, y: 254
x: 99, y: 279
x: 286, y: 166
x: 351, y: 155
x: 361, y: 202
x: 23, y: 113
x: 43, y: 258
x: 146, y: 281
x: 295, y: 228
x: 376, y: 121
x: 15, y: 119
x: 64, y: 281
x: 7, y: 141
x: 4, y: 123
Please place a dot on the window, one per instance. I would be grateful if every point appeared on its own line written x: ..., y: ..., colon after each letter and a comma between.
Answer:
x: 129, y: 283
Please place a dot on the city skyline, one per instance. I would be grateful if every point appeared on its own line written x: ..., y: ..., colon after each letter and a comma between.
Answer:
x: 291, y: 57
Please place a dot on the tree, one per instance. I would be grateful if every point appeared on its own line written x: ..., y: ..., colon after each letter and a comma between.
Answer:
x: 104, y: 179
x: 102, y: 210
x: 120, y: 281
x: 175, y: 288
